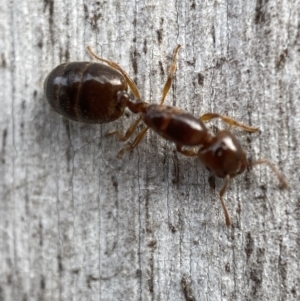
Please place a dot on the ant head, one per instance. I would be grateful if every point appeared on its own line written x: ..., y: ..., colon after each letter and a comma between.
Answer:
x: 223, y: 155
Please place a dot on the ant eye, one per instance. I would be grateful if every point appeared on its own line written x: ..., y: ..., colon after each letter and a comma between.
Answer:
x: 219, y: 151
x: 221, y: 147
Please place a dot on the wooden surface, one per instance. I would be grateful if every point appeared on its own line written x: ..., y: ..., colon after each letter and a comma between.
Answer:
x: 76, y: 223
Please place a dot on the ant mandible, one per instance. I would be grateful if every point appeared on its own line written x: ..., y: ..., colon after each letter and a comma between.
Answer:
x: 98, y: 93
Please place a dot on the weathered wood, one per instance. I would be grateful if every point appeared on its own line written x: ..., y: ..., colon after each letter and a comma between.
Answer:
x: 78, y: 224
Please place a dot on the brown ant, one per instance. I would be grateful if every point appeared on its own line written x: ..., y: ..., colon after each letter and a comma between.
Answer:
x: 98, y: 93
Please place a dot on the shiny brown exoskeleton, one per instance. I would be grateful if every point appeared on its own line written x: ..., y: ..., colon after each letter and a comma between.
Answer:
x: 222, y: 154
x: 88, y: 91
x: 97, y: 93
x: 79, y: 91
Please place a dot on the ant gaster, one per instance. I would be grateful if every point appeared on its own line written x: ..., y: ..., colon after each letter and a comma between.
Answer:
x: 98, y: 93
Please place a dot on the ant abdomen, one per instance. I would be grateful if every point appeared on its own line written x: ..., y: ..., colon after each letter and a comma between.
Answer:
x: 86, y: 92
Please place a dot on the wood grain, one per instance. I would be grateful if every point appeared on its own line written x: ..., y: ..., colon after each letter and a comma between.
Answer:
x: 76, y: 223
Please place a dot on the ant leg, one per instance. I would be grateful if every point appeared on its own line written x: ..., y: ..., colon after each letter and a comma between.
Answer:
x: 128, y: 133
x: 166, y: 89
x: 283, y: 182
x: 171, y: 75
x: 114, y: 65
x: 229, y: 121
x: 227, y: 218
x: 134, y: 89
x: 187, y: 152
x: 136, y: 141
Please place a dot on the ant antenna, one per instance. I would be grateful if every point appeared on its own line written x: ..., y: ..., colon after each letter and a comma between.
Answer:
x: 283, y: 182
x: 227, y: 218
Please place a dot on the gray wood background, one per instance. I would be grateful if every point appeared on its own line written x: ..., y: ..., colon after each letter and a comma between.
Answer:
x: 76, y: 223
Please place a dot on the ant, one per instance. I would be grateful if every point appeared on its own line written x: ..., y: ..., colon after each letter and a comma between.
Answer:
x: 98, y: 93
